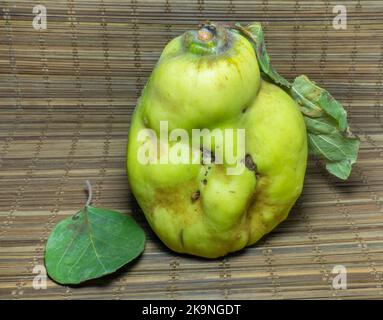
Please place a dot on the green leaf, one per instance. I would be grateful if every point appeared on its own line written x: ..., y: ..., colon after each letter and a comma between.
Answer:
x: 328, y: 134
x: 333, y: 147
x: 340, y: 169
x: 92, y: 243
x: 319, y: 125
x: 317, y: 101
x: 254, y: 33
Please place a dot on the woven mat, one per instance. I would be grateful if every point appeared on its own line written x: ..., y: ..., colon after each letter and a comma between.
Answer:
x: 66, y: 98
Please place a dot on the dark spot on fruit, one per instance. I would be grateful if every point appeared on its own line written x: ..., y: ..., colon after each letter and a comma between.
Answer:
x: 204, y: 181
x: 196, y: 195
x: 249, y: 163
x: 207, y: 154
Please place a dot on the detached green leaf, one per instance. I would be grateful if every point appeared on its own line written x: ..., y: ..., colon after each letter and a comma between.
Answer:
x: 328, y: 134
x: 254, y: 33
x: 92, y: 243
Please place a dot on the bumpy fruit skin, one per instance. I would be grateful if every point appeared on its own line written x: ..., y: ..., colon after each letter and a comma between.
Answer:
x: 220, y: 89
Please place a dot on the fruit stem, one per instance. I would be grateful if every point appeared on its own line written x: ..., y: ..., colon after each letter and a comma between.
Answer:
x: 207, y: 32
x: 89, y: 190
x: 209, y: 39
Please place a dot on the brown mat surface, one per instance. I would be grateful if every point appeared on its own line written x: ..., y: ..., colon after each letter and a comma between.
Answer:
x: 66, y: 98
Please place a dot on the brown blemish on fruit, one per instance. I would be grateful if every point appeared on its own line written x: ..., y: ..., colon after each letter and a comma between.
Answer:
x: 176, y: 201
x: 259, y: 198
x: 206, y: 153
x: 196, y: 195
x: 249, y: 163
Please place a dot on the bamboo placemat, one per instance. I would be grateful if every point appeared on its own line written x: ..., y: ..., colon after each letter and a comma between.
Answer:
x: 66, y: 97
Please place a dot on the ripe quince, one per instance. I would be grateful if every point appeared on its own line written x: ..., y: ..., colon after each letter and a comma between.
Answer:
x: 210, y: 79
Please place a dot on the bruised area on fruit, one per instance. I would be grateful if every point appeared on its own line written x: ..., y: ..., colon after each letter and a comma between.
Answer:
x: 210, y: 79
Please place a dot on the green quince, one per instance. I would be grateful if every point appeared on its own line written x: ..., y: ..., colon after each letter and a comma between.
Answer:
x: 210, y: 80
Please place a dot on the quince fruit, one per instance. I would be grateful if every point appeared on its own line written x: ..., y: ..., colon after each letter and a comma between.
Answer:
x: 210, y: 80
